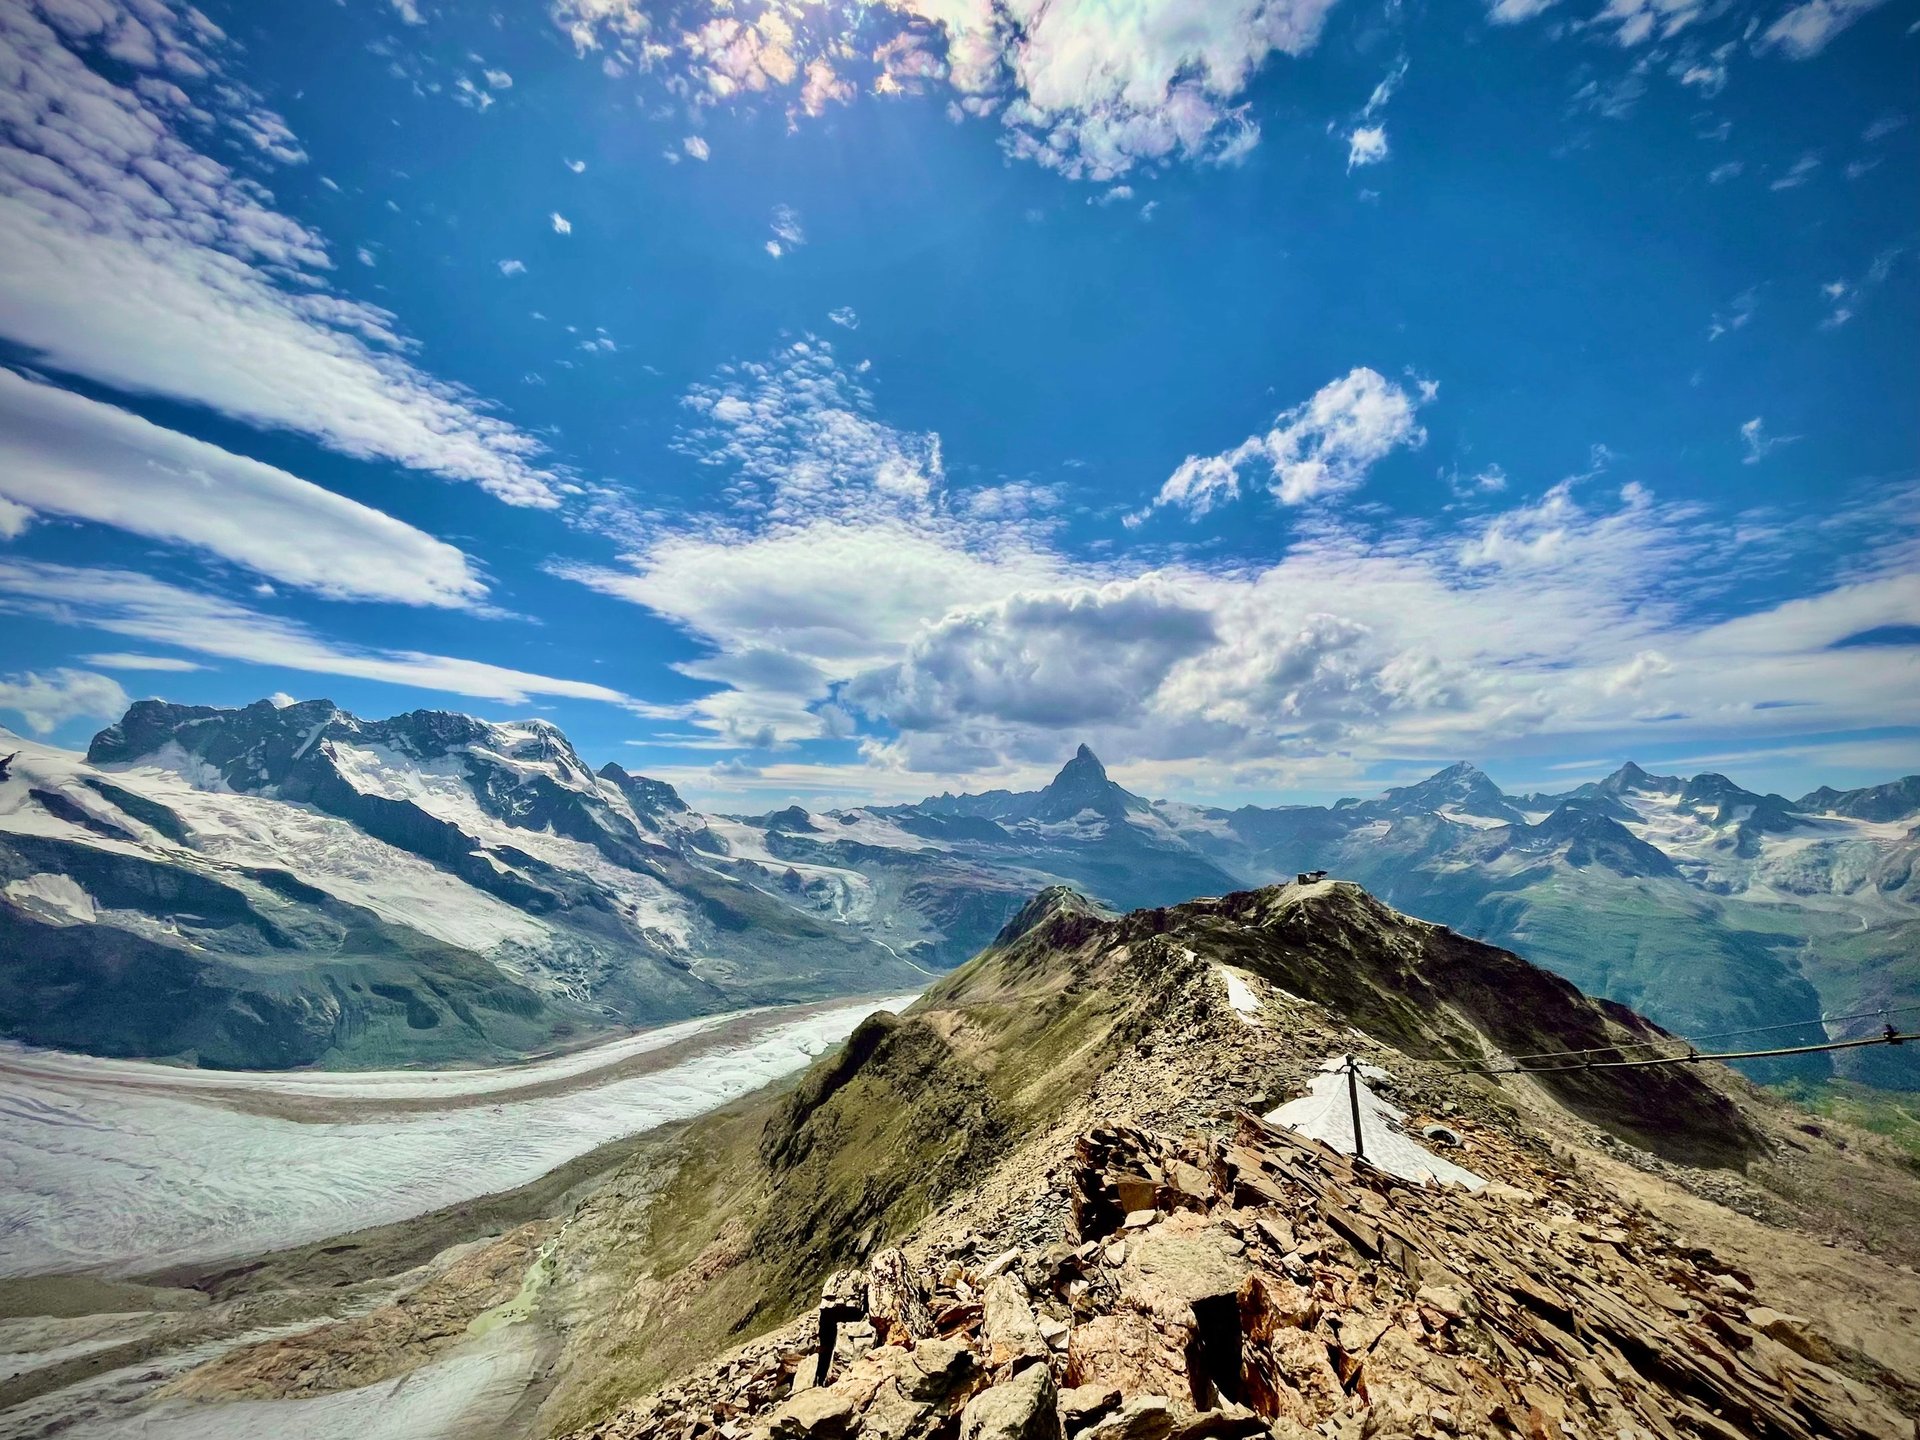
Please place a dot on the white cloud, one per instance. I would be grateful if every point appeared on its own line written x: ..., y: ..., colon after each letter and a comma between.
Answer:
x: 1091, y: 91
x: 578, y: 167
x: 1637, y: 21
x: 499, y: 80
x: 1882, y: 127
x: 1367, y: 145
x: 561, y: 225
x: 1845, y: 297
x: 63, y: 454
x: 513, y: 267
x: 1512, y: 12
x: 800, y: 430
x: 48, y: 701
x: 1321, y: 447
x: 1736, y: 315
x: 14, y: 520
x: 1798, y: 173
x: 129, y: 256
x: 1725, y: 171
x: 848, y: 578
x: 1759, y: 444
x: 844, y: 317
x: 786, y: 226
x: 1804, y: 30
x: 697, y: 147
x: 1367, y: 141
x: 1052, y: 659
x: 138, y: 607
x: 125, y: 660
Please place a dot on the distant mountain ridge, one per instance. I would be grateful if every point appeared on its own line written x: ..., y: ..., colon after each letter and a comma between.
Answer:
x: 310, y: 886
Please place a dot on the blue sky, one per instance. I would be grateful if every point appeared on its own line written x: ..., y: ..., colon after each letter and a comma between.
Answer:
x: 819, y: 401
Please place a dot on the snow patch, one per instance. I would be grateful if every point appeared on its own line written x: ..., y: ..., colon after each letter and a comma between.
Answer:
x: 1240, y: 995
x: 56, y: 897
x: 1326, y: 1114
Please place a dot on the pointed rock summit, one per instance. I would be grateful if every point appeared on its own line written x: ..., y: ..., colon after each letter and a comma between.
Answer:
x: 1082, y: 784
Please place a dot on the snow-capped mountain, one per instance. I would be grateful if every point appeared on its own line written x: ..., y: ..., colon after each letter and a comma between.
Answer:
x: 291, y: 885
x: 1703, y: 904
x: 281, y: 886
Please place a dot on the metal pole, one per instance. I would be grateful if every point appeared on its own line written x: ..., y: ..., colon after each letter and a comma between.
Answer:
x: 1353, y: 1098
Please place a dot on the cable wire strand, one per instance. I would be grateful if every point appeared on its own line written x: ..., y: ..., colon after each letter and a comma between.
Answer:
x: 1695, y: 1040
x: 1890, y: 1037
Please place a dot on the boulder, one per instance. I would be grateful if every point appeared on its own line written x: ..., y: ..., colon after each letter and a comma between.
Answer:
x: 1008, y: 1325
x: 896, y: 1302
x: 1022, y: 1408
x: 1144, y: 1417
x: 813, y: 1414
x: 1792, y: 1331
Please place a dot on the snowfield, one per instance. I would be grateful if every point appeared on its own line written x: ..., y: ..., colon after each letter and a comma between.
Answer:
x: 128, y: 1167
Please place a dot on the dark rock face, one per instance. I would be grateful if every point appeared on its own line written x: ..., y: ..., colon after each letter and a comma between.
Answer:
x: 1896, y: 800
x: 1461, y: 786
x: 1082, y: 785
x: 648, y: 797
x: 1584, y: 835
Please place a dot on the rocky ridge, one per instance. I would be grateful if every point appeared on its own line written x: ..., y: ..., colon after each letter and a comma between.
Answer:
x: 1128, y: 1252
x: 1265, y: 1284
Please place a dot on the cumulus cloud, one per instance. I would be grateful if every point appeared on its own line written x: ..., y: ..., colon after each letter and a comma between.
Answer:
x: 844, y: 317
x: 46, y: 702
x: 696, y: 147
x: 138, y: 607
x: 1056, y: 659
x: 561, y: 225
x: 63, y: 454
x: 1087, y: 90
x: 513, y: 267
x: 131, y: 257
x: 1322, y: 447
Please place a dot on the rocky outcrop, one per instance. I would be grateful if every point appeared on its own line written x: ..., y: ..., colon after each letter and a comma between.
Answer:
x: 1266, y: 1284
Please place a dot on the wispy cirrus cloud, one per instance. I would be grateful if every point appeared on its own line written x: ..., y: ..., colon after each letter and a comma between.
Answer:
x: 63, y: 454
x: 1804, y: 30
x: 139, y: 607
x: 132, y: 256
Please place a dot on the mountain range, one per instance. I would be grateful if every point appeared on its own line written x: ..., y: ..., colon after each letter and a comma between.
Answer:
x: 289, y: 885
